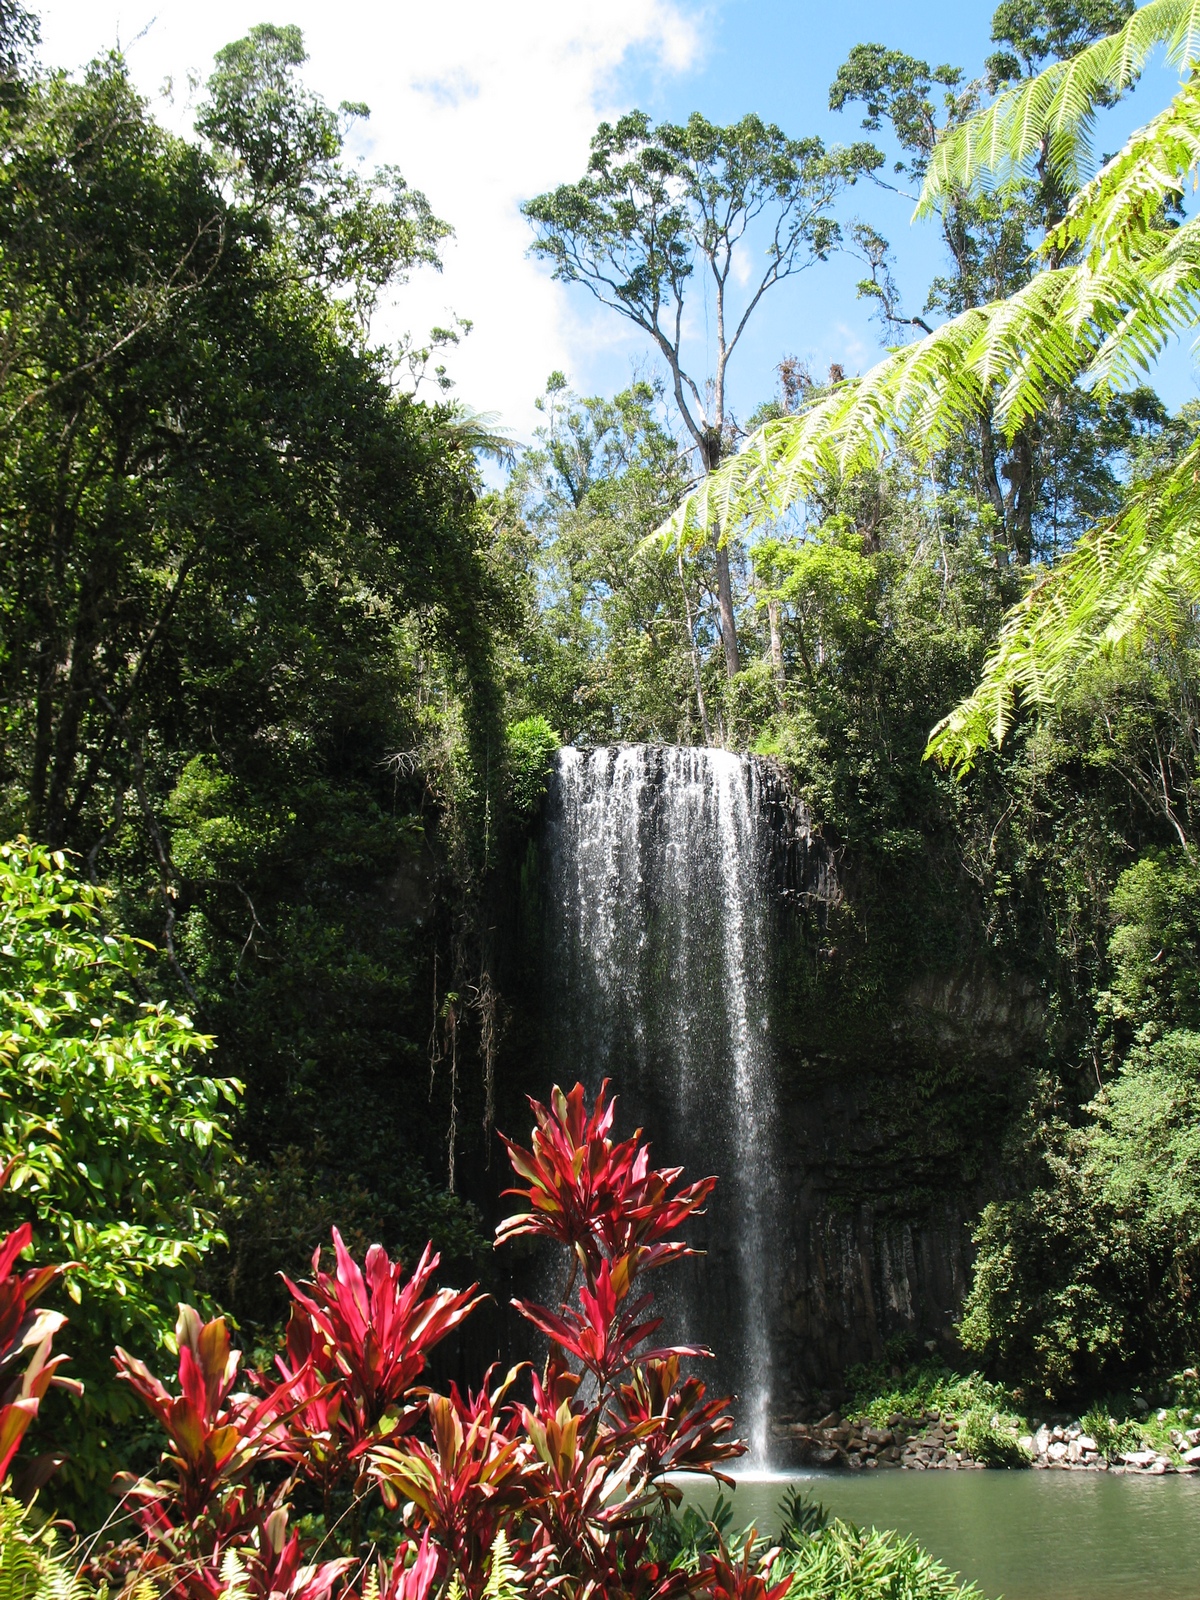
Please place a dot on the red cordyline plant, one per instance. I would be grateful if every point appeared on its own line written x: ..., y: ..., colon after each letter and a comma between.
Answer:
x: 603, y: 1458
x: 742, y: 1576
x: 599, y: 1199
x: 258, y: 1560
x: 214, y: 1435
x: 27, y: 1369
x: 472, y: 1480
x: 560, y: 1490
x: 357, y: 1342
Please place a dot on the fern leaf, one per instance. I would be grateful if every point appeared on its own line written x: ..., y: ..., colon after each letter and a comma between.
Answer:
x: 1053, y: 112
x: 31, y: 1565
x: 1124, y: 585
x: 504, y: 1576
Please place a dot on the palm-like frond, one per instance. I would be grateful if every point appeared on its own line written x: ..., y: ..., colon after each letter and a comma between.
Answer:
x: 1126, y: 583
x: 1134, y: 284
x: 1052, y: 114
x: 464, y: 428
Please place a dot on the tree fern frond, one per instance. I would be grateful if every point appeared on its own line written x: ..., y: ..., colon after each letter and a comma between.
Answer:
x: 31, y: 1565
x: 1120, y: 284
x: 1114, y: 212
x: 1126, y: 583
x: 1053, y: 112
x: 1101, y: 323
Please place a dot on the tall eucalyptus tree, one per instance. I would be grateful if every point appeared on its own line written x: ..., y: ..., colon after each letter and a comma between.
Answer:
x: 660, y: 205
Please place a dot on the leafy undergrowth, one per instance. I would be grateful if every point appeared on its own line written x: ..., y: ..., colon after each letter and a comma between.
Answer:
x: 33, y: 1565
x: 472, y: 1495
x: 816, y: 1557
x: 991, y: 1418
x: 985, y: 1411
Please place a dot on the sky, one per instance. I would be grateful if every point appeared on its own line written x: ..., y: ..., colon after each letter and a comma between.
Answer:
x: 484, y: 104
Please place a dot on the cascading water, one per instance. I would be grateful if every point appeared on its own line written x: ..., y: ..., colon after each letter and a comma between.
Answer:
x: 659, y: 873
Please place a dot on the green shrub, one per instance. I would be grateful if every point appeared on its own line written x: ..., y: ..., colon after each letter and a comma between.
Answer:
x: 1087, y: 1281
x: 925, y: 1386
x: 531, y: 747
x: 824, y: 1559
x: 842, y: 1562
x: 1112, y: 1435
x: 802, y: 1517
x: 987, y: 1436
x: 681, y: 1539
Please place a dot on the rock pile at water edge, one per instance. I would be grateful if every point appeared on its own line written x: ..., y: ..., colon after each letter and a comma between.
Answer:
x: 930, y: 1442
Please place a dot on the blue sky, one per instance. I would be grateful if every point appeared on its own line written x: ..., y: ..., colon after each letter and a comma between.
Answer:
x: 483, y: 104
x: 778, y: 59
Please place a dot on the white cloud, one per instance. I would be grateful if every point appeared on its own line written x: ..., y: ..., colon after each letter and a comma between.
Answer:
x: 480, y: 105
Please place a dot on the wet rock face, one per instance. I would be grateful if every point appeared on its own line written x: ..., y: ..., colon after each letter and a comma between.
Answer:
x: 852, y: 1281
x: 915, y: 1442
x: 895, y: 1093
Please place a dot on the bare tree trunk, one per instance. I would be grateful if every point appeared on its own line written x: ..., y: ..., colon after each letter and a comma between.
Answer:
x: 725, y: 603
x: 990, y: 487
x: 776, y: 649
x: 710, y: 455
x: 693, y: 653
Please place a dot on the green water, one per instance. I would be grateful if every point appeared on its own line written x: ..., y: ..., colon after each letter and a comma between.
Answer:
x: 1020, y: 1535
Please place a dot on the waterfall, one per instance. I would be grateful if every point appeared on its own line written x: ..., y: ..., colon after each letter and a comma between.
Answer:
x: 659, y: 872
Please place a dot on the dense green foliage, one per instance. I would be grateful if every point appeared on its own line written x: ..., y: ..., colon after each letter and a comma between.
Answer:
x: 1039, y: 892
x: 615, y: 644
x: 1087, y: 1279
x: 247, y: 664
x: 120, y: 1140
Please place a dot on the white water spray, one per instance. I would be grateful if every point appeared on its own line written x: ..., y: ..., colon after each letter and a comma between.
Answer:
x: 658, y: 882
